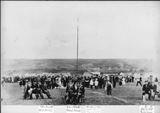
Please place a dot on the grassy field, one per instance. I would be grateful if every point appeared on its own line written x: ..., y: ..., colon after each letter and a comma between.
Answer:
x: 12, y: 95
x: 121, y: 95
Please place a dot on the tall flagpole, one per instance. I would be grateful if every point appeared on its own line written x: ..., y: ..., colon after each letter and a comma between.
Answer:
x: 77, y: 45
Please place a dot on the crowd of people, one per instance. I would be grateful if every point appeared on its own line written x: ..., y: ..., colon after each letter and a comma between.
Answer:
x: 10, y: 79
x: 75, y: 92
x: 39, y: 85
x: 151, y: 88
x: 106, y: 82
x: 75, y: 85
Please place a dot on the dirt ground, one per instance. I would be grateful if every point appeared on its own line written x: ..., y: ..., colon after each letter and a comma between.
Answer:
x: 130, y: 94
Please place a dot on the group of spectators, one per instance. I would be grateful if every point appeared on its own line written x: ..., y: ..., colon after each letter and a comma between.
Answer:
x: 54, y: 81
x: 51, y: 81
x: 10, y: 79
x: 75, y: 85
x: 150, y: 88
x: 106, y: 82
x: 75, y: 92
x: 39, y: 86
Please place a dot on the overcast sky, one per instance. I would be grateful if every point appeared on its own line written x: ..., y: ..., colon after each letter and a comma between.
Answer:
x: 106, y: 29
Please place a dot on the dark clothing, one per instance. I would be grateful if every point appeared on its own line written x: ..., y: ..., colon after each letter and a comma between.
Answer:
x: 109, y: 89
x: 82, y: 90
x: 100, y: 82
x: 45, y: 90
x: 87, y: 83
x: 36, y: 90
x: 132, y: 79
x: 120, y: 82
x: 26, y: 93
x: 140, y: 79
x: 114, y: 82
x: 70, y: 94
x: 146, y: 90
x: 154, y: 87
x: 139, y: 82
x: 70, y: 89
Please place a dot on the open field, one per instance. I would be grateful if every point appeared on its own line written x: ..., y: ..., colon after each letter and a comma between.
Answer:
x: 122, y: 95
x: 12, y: 95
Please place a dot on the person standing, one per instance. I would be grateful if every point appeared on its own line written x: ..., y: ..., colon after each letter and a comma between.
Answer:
x: 123, y: 81
x: 120, y: 82
x: 108, y: 87
x: 153, y: 90
x: 82, y: 92
x: 100, y: 81
x: 114, y: 82
x: 2, y: 82
x: 146, y: 90
x: 52, y: 82
x: 139, y: 81
x: 132, y: 78
x: 69, y: 92
x: 91, y: 83
x: 158, y: 86
x: 96, y: 83
x: 87, y: 82
x: 44, y: 90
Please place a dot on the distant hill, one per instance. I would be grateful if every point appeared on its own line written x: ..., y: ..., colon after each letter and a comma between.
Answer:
x: 54, y: 65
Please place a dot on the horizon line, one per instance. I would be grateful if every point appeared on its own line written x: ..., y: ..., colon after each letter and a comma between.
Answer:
x: 70, y: 58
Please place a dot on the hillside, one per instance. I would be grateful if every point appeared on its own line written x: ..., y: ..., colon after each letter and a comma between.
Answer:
x: 54, y: 65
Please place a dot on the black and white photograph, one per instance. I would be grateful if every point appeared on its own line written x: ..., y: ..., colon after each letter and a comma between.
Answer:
x: 80, y: 53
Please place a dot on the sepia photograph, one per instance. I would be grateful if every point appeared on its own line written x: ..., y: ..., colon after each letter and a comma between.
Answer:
x: 80, y: 53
